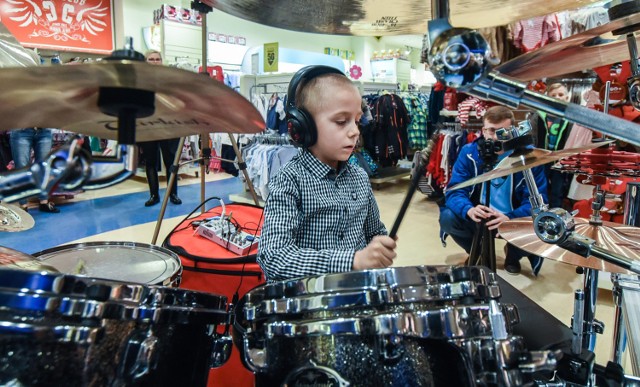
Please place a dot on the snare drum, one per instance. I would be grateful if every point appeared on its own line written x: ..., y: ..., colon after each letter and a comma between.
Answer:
x: 418, y: 326
x: 119, y: 261
x: 64, y: 330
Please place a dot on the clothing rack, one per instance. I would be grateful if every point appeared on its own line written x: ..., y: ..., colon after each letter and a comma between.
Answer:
x: 187, y: 59
x: 270, y: 138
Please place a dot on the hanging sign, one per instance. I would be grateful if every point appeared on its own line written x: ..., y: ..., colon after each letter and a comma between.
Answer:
x: 69, y: 25
x: 271, y: 57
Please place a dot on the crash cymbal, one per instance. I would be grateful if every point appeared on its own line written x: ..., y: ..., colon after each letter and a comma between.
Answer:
x: 65, y: 97
x: 12, y: 54
x: 13, y: 218
x: 614, y: 237
x: 14, y: 259
x: 380, y: 17
x: 592, y: 48
x: 534, y: 158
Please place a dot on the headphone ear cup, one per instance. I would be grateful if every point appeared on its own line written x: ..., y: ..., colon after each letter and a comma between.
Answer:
x: 301, y: 127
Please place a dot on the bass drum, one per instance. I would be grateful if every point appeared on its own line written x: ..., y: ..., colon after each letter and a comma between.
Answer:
x: 64, y: 330
x: 417, y: 326
x: 133, y: 262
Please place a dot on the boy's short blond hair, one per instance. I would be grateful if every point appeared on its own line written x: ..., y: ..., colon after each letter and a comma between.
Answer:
x: 310, y: 95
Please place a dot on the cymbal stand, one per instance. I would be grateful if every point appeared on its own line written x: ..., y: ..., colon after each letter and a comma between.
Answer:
x: 204, y: 10
x: 588, y: 298
x: 173, y: 175
x: 620, y: 335
x: 483, y: 247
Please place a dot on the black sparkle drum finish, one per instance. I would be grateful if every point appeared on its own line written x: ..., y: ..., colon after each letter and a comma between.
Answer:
x: 118, y: 261
x: 64, y: 330
x: 406, y: 326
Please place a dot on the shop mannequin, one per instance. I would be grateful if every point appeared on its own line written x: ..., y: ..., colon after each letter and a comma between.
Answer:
x: 151, y: 150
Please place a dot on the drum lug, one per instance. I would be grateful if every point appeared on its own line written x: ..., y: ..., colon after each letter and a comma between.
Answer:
x: 220, y: 350
x: 255, y: 358
x: 140, y: 357
x: 390, y: 348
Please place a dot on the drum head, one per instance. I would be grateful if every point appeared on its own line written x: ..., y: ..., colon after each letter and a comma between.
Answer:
x: 120, y: 261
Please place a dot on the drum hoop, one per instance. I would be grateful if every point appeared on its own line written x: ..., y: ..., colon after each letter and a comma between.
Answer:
x: 111, y: 299
x: 394, y: 277
x: 377, y: 297
x: 449, y: 322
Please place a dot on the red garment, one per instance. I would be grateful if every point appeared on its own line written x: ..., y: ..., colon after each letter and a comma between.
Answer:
x: 537, y: 32
x: 434, y: 161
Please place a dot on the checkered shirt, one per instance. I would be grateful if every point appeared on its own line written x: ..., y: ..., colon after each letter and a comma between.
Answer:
x: 315, y: 220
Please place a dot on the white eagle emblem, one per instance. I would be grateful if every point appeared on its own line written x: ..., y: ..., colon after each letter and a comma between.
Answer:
x: 60, y: 23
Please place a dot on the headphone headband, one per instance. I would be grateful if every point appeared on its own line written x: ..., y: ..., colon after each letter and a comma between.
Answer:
x: 307, y: 73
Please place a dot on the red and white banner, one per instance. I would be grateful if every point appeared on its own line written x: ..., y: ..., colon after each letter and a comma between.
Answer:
x: 67, y: 25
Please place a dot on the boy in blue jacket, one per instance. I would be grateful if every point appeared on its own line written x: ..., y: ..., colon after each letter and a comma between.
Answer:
x: 509, y: 195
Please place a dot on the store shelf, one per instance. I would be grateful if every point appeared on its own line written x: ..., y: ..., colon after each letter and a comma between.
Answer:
x: 246, y: 198
x: 389, y: 174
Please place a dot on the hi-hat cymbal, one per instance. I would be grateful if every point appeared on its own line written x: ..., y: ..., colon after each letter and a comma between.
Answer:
x: 65, y: 97
x: 13, y: 218
x: 534, y: 158
x: 380, y: 17
x: 592, y: 48
x: 616, y: 238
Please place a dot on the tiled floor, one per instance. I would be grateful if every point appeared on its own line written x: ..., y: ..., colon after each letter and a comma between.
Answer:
x: 118, y: 214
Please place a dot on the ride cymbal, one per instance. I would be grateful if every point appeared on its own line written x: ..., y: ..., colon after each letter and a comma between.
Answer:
x: 534, y: 158
x: 616, y: 238
x: 379, y: 17
x: 592, y: 48
x: 66, y: 97
x: 13, y: 218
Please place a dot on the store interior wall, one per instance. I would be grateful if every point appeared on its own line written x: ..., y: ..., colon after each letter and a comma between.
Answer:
x: 136, y: 15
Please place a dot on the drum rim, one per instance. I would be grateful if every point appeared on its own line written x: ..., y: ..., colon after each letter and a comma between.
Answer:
x: 430, y: 293
x: 409, y: 324
x: 172, y: 279
x: 142, y: 298
x: 365, y: 279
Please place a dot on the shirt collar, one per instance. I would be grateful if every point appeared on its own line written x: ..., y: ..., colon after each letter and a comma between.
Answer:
x: 318, y: 168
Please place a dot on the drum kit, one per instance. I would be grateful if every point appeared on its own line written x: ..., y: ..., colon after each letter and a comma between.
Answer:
x: 66, y: 318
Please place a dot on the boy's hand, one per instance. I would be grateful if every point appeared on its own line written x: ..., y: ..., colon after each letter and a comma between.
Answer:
x: 379, y: 253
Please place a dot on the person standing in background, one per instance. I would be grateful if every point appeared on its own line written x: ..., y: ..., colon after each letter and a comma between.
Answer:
x: 551, y: 133
x: 151, y: 150
x: 23, y: 141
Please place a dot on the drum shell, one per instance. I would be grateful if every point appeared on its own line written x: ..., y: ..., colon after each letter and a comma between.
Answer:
x: 182, y: 356
x: 100, y: 342
x: 358, y: 360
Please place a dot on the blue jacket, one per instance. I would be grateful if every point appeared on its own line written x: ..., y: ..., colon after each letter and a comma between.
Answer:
x: 469, y: 165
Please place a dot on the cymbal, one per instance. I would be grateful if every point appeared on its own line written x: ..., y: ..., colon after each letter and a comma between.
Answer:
x: 534, y: 158
x: 13, y: 218
x: 617, y: 238
x: 14, y: 259
x: 380, y: 17
x: 11, y: 51
x: 586, y: 50
x: 65, y: 97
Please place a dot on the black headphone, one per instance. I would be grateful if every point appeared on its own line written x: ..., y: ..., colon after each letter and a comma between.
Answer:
x: 302, y: 129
